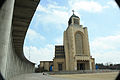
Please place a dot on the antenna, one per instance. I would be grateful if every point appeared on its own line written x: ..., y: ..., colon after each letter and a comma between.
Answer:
x: 29, y: 53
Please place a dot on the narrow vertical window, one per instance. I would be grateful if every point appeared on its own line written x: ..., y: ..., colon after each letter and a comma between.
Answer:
x: 60, y: 67
x: 79, y: 43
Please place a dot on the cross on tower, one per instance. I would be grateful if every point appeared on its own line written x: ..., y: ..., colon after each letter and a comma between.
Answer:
x: 73, y: 11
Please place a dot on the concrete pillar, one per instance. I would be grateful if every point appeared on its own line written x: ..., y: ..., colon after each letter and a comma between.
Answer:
x: 6, y: 13
x: 66, y: 51
x: 90, y: 65
x: 75, y: 63
x: 86, y: 42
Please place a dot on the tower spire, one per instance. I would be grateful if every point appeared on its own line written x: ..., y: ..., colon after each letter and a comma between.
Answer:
x: 73, y: 11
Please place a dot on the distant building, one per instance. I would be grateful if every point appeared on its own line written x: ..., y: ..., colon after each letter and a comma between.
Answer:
x: 59, y: 59
x: 75, y: 53
x: 45, y: 65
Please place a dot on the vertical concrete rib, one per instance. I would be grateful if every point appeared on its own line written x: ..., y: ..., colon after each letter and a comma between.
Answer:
x: 10, y: 63
x: 6, y: 13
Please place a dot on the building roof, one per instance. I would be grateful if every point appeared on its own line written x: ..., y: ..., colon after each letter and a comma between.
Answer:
x: 74, y: 16
x: 70, y: 19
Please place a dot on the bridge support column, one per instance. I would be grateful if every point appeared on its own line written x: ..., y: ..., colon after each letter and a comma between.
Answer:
x: 6, y: 13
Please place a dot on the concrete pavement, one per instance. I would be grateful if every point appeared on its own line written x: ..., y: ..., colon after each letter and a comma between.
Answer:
x: 88, y: 76
x: 36, y: 76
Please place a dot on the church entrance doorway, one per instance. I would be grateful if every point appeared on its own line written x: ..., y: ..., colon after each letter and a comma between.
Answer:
x: 80, y: 66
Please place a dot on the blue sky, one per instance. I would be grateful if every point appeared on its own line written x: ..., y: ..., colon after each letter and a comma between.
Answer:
x: 102, y: 17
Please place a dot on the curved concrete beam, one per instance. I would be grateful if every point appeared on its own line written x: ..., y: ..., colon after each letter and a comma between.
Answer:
x: 22, y: 15
x: 15, y: 17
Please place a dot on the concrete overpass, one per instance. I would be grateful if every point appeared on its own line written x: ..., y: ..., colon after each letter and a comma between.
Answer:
x: 15, y: 17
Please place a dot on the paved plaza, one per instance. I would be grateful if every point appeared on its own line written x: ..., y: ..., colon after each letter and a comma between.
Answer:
x: 90, y: 76
x: 37, y: 76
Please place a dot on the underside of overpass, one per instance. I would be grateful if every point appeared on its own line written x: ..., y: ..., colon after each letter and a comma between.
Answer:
x: 15, y: 17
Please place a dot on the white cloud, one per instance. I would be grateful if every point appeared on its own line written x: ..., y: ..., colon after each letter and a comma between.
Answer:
x: 33, y: 35
x: 89, y: 6
x: 42, y: 9
x: 39, y: 54
x: 112, y: 4
x: 106, y: 49
x: 53, y: 14
x: 51, y: 6
x: 59, y: 41
x: 108, y: 57
x: 56, y: 17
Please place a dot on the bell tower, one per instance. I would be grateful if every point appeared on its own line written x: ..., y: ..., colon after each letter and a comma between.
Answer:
x: 74, y: 20
x: 76, y: 46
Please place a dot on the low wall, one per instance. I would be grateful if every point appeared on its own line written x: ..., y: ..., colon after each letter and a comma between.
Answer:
x: 81, y: 72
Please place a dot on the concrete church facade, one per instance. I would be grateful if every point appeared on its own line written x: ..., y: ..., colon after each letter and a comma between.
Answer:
x: 74, y: 54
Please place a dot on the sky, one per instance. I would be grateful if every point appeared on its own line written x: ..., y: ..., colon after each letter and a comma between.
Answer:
x: 101, y: 17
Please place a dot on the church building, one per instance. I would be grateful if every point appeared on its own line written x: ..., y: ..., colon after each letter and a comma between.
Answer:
x: 74, y: 54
